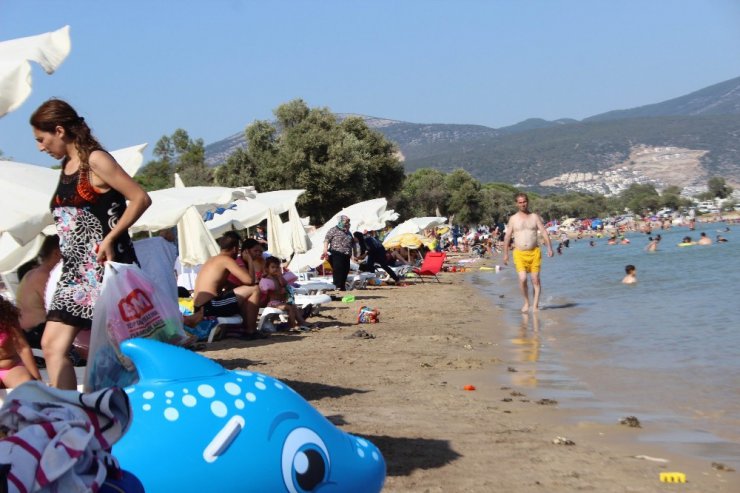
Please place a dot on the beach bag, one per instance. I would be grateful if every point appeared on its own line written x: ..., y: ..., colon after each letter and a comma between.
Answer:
x: 368, y: 315
x: 130, y: 305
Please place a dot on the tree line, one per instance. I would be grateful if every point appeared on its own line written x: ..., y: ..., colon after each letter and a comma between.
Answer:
x: 340, y: 163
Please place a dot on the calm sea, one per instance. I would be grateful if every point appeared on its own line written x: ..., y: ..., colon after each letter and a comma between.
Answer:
x: 666, y: 350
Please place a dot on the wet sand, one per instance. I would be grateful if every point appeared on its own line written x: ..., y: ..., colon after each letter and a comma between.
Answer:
x: 403, y: 389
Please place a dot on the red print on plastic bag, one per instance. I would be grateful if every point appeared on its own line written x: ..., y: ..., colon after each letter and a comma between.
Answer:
x: 135, y: 305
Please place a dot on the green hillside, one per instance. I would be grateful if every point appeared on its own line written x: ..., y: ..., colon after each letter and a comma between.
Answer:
x: 535, y: 149
x: 532, y: 156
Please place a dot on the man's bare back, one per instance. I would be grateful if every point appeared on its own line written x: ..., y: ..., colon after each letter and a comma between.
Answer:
x: 31, y: 293
x: 212, y: 277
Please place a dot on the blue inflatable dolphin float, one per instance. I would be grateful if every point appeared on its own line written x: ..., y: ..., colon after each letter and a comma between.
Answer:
x: 198, y: 427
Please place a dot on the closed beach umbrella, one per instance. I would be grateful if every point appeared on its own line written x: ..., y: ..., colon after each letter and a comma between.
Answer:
x: 195, y: 242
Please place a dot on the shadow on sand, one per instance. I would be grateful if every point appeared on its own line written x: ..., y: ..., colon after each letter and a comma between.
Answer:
x: 404, y: 455
x: 312, y: 391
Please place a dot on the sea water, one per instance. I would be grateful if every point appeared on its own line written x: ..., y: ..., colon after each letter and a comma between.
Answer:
x: 666, y: 349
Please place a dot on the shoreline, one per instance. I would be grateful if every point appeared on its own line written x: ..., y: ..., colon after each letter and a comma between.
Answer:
x: 403, y: 391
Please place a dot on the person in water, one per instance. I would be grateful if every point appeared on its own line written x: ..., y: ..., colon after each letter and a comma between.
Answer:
x: 631, y: 274
x: 704, y: 239
x: 524, y: 226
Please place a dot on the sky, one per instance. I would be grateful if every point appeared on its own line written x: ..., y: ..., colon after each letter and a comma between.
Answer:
x: 141, y: 69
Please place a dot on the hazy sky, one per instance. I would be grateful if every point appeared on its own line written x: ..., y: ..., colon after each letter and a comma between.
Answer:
x: 140, y: 69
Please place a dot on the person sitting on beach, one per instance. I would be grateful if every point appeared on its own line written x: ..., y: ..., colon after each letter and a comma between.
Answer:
x: 253, y: 249
x: 31, y: 298
x: 274, y: 293
x: 17, y: 364
x: 704, y: 239
x: 631, y: 276
x: 210, y: 295
x: 261, y: 236
x: 394, y: 258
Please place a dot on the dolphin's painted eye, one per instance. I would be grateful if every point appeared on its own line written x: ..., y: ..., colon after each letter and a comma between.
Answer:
x: 305, y: 461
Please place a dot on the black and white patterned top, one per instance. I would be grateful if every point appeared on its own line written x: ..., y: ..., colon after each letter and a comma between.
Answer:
x: 83, y: 217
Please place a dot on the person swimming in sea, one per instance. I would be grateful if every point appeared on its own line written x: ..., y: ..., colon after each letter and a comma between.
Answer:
x: 652, y: 245
x: 631, y: 274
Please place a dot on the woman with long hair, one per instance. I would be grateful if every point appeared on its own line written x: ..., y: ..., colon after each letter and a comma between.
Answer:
x: 92, y: 220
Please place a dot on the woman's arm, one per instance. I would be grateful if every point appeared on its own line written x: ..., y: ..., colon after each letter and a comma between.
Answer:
x: 108, y: 170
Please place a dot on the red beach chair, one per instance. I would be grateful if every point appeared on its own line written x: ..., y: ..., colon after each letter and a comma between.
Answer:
x: 431, y: 265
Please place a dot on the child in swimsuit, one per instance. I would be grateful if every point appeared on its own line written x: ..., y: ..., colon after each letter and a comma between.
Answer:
x: 275, y: 294
x: 16, y: 359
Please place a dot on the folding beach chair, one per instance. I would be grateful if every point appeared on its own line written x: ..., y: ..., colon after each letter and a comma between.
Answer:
x: 431, y: 265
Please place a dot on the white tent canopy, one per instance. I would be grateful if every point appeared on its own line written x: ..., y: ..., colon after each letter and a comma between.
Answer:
x: 48, y: 50
x: 367, y: 215
x: 415, y: 225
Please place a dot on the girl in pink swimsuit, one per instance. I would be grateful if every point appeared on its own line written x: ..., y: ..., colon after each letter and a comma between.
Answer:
x: 14, y: 350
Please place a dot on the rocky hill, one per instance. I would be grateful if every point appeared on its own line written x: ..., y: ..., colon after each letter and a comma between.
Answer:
x: 704, y: 125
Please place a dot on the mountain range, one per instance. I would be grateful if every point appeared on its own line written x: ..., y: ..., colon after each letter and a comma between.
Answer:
x: 694, y: 136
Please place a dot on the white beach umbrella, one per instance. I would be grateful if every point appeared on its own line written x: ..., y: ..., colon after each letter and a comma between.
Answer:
x: 195, y: 243
x: 369, y: 214
x: 297, y: 233
x: 13, y: 254
x: 276, y: 245
x: 415, y: 225
x: 253, y: 210
x: 170, y: 204
x: 48, y: 50
x: 26, y: 190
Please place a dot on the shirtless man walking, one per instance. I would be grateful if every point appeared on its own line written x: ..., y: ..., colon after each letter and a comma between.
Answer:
x: 209, y: 294
x: 524, y: 226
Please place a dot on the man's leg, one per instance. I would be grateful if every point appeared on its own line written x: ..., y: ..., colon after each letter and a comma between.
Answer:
x: 524, y: 289
x: 390, y: 272
x: 537, y: 288
x: 383, y: 263
x: 248, y: 298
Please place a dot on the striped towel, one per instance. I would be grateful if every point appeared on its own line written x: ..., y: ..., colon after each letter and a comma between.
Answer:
x: 60, y: 440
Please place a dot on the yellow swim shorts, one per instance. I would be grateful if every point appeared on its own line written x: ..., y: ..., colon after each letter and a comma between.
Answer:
x: 528, y: 260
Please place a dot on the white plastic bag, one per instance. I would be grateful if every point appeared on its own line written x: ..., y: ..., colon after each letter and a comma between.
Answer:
x: 130, y: 305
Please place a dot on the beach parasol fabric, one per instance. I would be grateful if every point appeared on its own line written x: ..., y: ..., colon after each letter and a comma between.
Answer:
x: 416, y: 225
x: 408, y: 240
x: 195, y: 243
x: 369, y: 214
x: 26, y: 190
x: 253, y: 210
x: 169, y: 205
x: 48, y: 50
x: 568, y: 221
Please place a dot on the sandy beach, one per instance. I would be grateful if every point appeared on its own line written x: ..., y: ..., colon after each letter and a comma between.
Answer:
x: 403, y: 389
